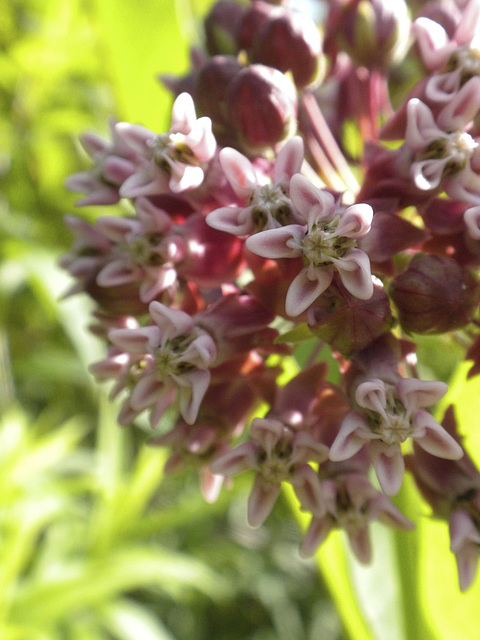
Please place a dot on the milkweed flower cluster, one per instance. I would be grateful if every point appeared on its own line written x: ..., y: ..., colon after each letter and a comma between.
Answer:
x: 318, y: 182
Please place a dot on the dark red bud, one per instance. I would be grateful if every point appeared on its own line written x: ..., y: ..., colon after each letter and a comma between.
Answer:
x: 262, y: 107
x: 290, y: 42
x: 211, y: 87
x: 435, y: 294
x: 221, y: 25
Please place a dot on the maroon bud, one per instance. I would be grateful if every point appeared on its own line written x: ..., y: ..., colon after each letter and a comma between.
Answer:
x: 349, y: 324
x: 221, y: 26
x: 435, y: 294
x: 261, y: 107
x: 211, y: 87
x: 212, y: 257
x: 257, y: 14
x: 374, y: 33
x: 290, y: 41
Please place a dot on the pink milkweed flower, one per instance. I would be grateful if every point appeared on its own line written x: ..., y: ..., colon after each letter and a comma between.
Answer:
x: 277, y: 453
x: 351, y: 504
x: 445, y: 154
x: 327, y: 244
x: 265, y: 203
x: 455, y: 60
x: 114, y: 163
x: 387, y: 415
x: 143, y: 250
x: 176, y: 359
x: 171, y: 162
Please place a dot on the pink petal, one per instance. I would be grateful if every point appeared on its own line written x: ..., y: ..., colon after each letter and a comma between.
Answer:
x: 184, y: 177
x: 427, y: 174
x: 302, y: 292
x: 305, y: 196
x: 417, y: 394
x: 135, y: 136
x: 237, y: 460
x: 289, y: 162
x: 434, y: 439
x: 261, y: 500
x: 201, y: 139
x: 116, y: 228
x: 172, y: 322
x: 135, y: 340
x: 355, y: 274
x: 274, y: 243
x: 162, y: 403
x: 118, y: 272
x: 353, y: 434
x: 308, y: 490
x: 316, y: 533
x: 239, y: 172
x: 191, y: 392
x: 146, y: 392
x: 462, y: 108
x: 210, y: 485
x: 183, y: 114
x: 432, y: 41
x: 355, y: 221
x: 267, y: 432
x: 389, y: 467
x: 155, y: 281
x: 232, y: 220
x: 360, y: 542
x: 372, y: 395
x: 421, y: 126
x: 472, y: 222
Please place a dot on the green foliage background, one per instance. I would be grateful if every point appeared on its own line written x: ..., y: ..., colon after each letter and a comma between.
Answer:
x: 94, y: 543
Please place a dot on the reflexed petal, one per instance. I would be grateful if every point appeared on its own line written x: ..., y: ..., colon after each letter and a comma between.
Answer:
x: 261, y: 500
x: 272, y: 243
x: 237, y: 460
x: 185, y: 177
x: 289, y: 162
x: 239, y: 172
x: 116, y: 228
x: 417, y: 394
x: 183, y: 114
x: 303, y: 292
x: 172, y: 322
x: 353, y: 434
x: 433, y: 438
x: 146, y: 392
x: 316, y: 533
x: 210, y: 485
x: 389, y: 467
x: 308, y: 490
x: 421, y: 126
x: 201, y: 352
x: 232, y: 220
x: 305, y: 196
x: 462, y: 530
x: 135, y: 136
x: 428, y: 174
x: 267, y: 432
x: 360, y: 542
x: 462, y: 108
x: 432, y: 40
x: 372, y: 395
x: 355, y: 221
x: 135, y: 340
x: 156, y: 281
x: 201, y: 139
x: 355, y: 273
x: 191, y: 390
x: 161, y: 405
x: 118, y: 272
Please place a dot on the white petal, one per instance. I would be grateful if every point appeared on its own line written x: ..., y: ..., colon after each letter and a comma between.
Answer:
x: 272, y: 243
x: 239, y: 172
x: 303, y: 292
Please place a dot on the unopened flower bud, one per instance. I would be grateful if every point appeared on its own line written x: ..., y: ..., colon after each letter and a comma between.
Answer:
x: 374, y: 32
x: 256, y: 15
x: 211, y: 85
x: 220, y: 27
x: 262, y: 106
x: 290, y: 42
x: 435, y: 294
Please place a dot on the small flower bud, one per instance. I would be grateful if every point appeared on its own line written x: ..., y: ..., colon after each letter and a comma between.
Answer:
x: 262, y: 106
x: 257, y: 14
x: 290, y: 41
x: 374, y: 32
x: 220, y: 27
x: 211, y: 85
x: 435, y: 294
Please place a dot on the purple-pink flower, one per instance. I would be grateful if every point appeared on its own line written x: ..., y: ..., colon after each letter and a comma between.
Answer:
x: 264, y: 203
x: 387, y: 415
x: 327, y: 245
x: 170, y: 162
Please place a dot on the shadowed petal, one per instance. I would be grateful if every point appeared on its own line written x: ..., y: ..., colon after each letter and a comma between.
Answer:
x: 191, y: 392
x: 261, y: 500
x: 118, y: 272
x: 353, y: 434
x: 146, y: 392
x: 417, y: 394
x: 316, y: 533
x: 303, y: 292
x: 305, y: 196
x: 360, y: 542
x: 433, y: 438
x: 172, y: 322
x: 355, y: 274
x: 421, y: 126
x: 135, y: 340
x: 389, y: 467
x: 272, y: 243
x: 237, y: 460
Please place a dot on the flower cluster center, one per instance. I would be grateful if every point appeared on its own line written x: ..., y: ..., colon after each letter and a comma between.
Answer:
x: 322, y: 244
x: 393, y: 423
x: 170, y: 359
x: 270, y: 203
